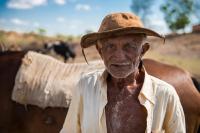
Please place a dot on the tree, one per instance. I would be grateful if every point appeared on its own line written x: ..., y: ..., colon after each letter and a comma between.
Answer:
x: 41, y: 31
x: 177, y: 13
x: 142, y: 8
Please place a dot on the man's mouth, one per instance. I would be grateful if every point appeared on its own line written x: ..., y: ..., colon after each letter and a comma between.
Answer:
x: 120, y: 64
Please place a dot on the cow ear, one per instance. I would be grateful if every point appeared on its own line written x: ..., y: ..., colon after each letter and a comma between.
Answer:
x: 145, y: 48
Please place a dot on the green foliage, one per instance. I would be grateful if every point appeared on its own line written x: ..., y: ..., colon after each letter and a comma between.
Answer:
x: 177, y: 13
x: 142, y: 8
x: 41, y: 31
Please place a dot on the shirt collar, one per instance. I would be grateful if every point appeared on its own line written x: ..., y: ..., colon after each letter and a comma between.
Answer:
x: 147, y: 89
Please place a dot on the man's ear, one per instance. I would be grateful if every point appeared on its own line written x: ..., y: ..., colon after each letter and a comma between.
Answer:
x: 145, y: 48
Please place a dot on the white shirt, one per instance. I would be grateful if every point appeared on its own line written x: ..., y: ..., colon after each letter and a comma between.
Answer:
x: 86, y: 113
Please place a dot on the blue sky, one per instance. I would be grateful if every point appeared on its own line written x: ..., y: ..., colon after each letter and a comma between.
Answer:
x: 65, y: 16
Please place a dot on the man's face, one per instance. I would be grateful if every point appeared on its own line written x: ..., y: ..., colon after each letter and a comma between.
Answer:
x: 121, y: 55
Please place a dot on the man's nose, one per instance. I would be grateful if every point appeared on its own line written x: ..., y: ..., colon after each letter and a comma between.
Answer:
x: 120, y: 54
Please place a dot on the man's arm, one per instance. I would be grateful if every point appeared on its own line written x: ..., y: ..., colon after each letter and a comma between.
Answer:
x: 175, y: 119
x: 72, y: 121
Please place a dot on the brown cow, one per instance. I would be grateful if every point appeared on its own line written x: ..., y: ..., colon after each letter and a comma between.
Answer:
x: 16, y: 118
x: 188, y: 94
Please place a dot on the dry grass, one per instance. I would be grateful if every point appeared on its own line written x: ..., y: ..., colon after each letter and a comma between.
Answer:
x: 190, y: 64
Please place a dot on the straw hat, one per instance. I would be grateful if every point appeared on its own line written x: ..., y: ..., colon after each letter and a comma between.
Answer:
x: 117, y: 24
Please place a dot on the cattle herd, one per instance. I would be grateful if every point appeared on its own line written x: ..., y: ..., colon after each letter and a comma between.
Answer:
x: 61, y: 48
x: 17, y: 118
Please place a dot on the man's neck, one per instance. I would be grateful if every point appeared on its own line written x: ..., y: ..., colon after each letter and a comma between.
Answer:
x: 131, y: 82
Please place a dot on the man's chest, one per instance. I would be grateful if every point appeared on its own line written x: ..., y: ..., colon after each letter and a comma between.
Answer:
x: 124, y: 113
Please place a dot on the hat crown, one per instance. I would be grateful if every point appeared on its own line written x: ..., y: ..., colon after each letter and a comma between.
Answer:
x: 120, y: 20
x: 117, y: 24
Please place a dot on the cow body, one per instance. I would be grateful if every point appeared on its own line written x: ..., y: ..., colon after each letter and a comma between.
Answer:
x: 17, y: 118
x: 188, y: 94
x: 61, y: 48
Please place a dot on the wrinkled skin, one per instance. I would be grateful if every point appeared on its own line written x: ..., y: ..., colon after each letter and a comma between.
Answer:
x: 122, y: 56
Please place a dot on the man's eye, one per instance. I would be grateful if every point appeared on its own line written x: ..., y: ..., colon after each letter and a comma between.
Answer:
x: 130, y: 45
x: 109, y: 46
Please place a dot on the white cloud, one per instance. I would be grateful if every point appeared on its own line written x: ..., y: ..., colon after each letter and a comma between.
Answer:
x: 60, y: 2
x: 83, y: 7
x: 25, y: 4
x: 17, y: 21
x: 36, y: 24
x: 60, y: 19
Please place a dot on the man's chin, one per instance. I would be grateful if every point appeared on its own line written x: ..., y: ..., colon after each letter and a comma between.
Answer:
x: 119, y: 75
x: 120, y: 72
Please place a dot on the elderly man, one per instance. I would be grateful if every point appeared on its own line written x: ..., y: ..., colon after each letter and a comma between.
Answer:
x: 123, y: 98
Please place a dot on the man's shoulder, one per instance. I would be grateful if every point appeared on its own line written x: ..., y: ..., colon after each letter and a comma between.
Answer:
x: 162, y: 87
x: 88, y: 78
x: 88, y: 82
x: 92, y: 74
x: 160, y: 82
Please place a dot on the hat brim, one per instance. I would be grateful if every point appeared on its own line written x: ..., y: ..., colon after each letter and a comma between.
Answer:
x: 91, y: 38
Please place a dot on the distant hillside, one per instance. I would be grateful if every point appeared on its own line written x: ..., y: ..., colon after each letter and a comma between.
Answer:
x: 22, y: 40
x: 182, y: 50
x: 184, y: 45
x: 14, y: 40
